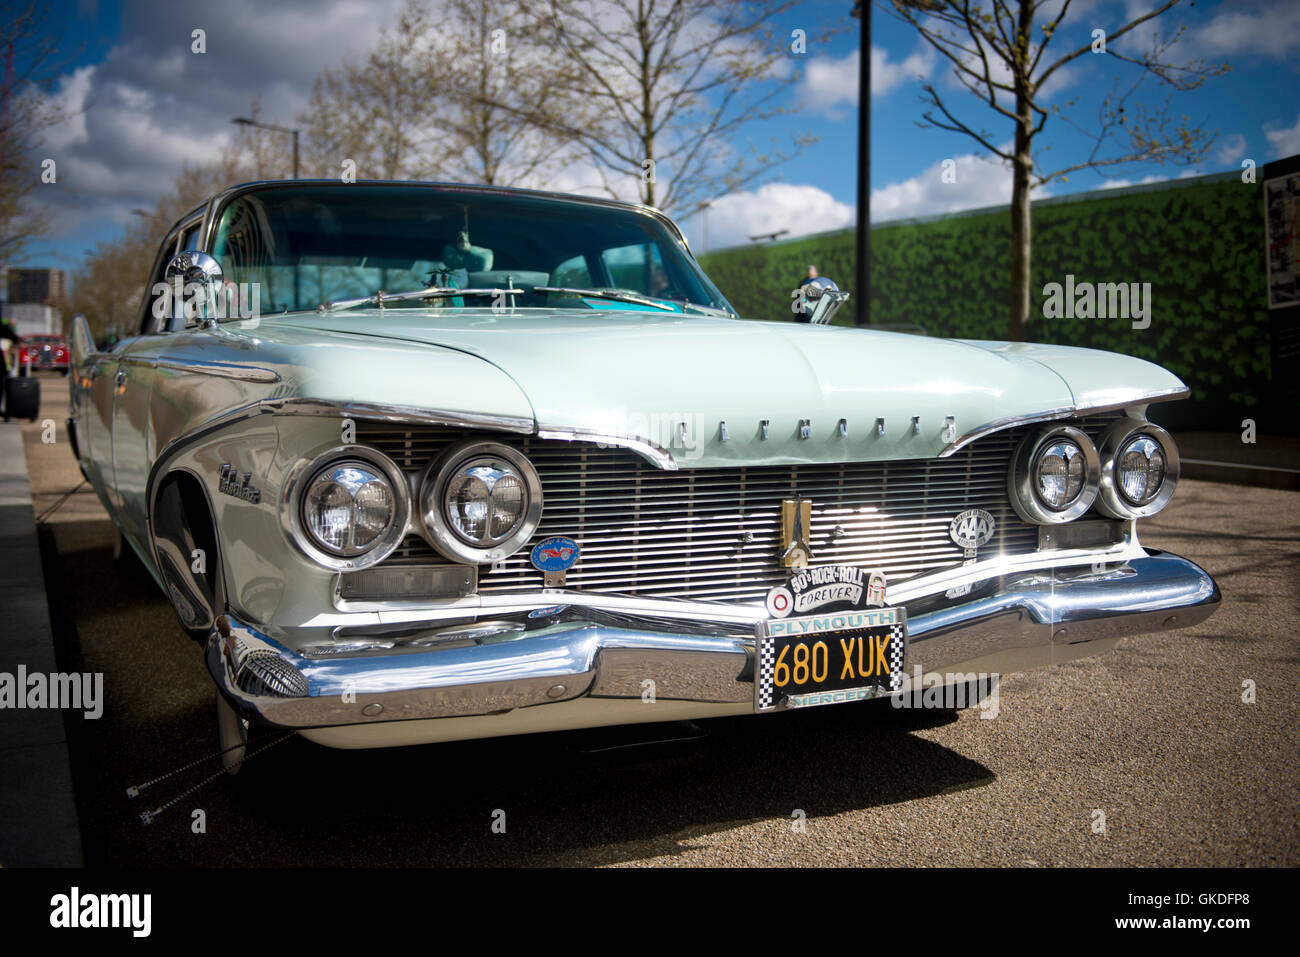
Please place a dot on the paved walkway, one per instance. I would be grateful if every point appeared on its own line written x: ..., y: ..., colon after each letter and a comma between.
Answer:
x: 1269, y: 461
x: 38, y: 816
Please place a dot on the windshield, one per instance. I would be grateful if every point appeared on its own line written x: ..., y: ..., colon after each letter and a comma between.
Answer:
x: 312, y: 245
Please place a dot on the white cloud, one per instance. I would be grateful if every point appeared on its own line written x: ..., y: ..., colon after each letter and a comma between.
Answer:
x: 1268, y: 30
x: 1285, y: 142
x: 801, y: 209
x: 1230, y: 149
x: 829, y: 84
x: 978, y: 182
x: 152, y: 104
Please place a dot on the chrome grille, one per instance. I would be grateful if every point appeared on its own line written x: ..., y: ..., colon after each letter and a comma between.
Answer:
x: 657, y: 534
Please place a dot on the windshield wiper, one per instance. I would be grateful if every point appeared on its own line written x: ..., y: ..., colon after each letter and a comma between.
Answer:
x: 432, y: 292
x: 613, y: 294
x: 707, y: 310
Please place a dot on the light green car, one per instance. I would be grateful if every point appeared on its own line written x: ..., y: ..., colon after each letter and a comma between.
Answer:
x: 422, y: 462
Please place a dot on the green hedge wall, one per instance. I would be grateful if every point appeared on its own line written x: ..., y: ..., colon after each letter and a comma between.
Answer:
x: 1199, y: 242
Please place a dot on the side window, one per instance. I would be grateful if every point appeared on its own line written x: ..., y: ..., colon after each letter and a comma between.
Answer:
x: 190, y: 237
x: 149, y: 324
x: 572, y: 272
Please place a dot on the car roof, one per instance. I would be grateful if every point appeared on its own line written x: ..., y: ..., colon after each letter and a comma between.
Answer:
x: 225, y: 195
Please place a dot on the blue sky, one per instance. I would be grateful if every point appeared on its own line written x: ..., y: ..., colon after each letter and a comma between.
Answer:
x: 144, y: 106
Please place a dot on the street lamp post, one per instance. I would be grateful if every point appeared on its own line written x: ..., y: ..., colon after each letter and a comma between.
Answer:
x: 862, y: 281
x: 245, y: 121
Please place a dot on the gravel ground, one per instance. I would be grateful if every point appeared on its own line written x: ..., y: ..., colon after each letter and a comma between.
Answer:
x: 1154, y: 736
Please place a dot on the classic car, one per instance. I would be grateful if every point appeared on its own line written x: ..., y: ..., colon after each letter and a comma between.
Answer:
x: 423, y: 462
x: 44, y: 352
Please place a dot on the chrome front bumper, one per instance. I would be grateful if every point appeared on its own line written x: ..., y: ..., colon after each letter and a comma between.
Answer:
x: 1003, y: 625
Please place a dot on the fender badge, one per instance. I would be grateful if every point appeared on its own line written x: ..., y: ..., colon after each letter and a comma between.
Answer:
x: 229, y: 484
x: 833, y: 587
x: 553, y: 557
x: 547, y: 612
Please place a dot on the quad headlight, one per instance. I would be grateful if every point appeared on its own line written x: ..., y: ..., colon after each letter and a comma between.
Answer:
x: 480, y: 501
x: 1053, y: 476
x: 348, y: 509
x: 1139, y: 469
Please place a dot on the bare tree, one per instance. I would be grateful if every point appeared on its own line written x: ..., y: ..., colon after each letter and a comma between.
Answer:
x: 674, y: 83
x: 454, y: 93
x: 380, y: 113
x: 505, y: 96
x: 998, y: 51
x: 29, y: 61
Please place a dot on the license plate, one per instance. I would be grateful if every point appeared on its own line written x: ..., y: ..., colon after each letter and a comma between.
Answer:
x: 831, y: 658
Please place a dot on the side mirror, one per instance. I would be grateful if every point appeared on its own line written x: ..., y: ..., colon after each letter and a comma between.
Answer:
x: 827, y: 298
x: 200, y: 283
x: 80, y: 342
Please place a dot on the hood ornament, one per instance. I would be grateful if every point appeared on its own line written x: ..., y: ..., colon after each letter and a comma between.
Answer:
x: 796, y: 520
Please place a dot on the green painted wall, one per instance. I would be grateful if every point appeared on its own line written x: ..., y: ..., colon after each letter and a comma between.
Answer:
x: 1198, y: 242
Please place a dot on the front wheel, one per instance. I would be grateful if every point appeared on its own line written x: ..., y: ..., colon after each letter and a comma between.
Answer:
x: 232, y: 730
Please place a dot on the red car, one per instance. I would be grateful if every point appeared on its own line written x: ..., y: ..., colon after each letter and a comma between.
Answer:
x: 44, y: 352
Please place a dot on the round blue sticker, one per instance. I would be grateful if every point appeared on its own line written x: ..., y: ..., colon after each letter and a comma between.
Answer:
x: 555, y: 554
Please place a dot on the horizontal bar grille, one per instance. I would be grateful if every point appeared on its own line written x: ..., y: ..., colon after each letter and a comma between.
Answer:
x: 657, y: 534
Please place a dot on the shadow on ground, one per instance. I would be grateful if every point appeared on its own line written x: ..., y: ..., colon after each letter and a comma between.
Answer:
x: 570, y: 798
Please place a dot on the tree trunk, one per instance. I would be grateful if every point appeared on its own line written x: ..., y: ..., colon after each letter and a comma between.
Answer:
x: 1022, y: 171
x: 1021, y: 254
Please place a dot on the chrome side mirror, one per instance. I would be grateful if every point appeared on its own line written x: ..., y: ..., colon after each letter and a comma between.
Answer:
x: 827, y: 298
x: 194, y: 280
x: 80, y: 342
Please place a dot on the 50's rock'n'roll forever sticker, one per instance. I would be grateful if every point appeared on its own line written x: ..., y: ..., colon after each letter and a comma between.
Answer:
x: 828, y: 587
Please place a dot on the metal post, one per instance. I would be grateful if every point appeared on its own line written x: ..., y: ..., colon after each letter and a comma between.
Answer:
x: 862, y: 281
x: 295, y: 154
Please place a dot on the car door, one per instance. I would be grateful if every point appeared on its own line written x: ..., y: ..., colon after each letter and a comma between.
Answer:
x: 133, y: 436
x: 92, y: 412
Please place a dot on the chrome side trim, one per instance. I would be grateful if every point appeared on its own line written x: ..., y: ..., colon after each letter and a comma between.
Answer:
x: 1065, y: 412
x: 223, y: 369
x: 648, y: 450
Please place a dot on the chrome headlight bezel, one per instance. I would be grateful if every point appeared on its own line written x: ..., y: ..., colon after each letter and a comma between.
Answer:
x: 1111, y: 499
x: 432, y: 487
x: 1021, y: 478
x: 307, y: 471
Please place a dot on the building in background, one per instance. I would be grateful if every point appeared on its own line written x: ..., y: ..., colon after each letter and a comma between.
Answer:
x: 33, y: 319
x: 41, y: 286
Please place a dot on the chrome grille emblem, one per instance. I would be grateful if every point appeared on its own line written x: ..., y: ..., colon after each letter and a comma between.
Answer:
x: 796, y: 519
x: 971, y: 529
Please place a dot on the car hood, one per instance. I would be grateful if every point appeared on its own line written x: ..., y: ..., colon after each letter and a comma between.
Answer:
x: 675, y: 380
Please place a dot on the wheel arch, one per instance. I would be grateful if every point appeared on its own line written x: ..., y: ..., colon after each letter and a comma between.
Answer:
x: 187, y: 551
